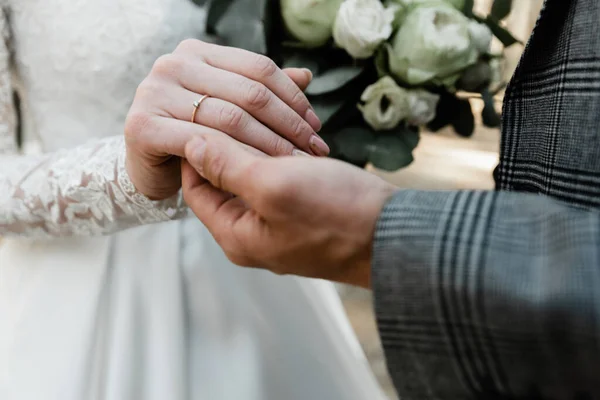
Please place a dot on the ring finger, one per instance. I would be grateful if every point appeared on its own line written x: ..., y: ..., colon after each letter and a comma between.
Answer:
x: 254, y: 97
x: 232, y: 120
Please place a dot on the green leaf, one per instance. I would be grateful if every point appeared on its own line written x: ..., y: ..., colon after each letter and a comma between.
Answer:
x: 501, y: 33
x: 301, y: 59
x: 244, y: 24
x: 327, y: 106
x: 390, y: 152
x: 333, y: 79
x: 501, y: 9
x: 216, y: 10
x: 468, y: 8
x: 353, y: 143
x: 200, y: 3
x: 464, y: 123
x: 411, y: 136
x: 293, y: 44
x: 489, y: 116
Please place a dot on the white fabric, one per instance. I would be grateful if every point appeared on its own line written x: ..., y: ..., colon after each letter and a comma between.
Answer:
x: 156, y: 311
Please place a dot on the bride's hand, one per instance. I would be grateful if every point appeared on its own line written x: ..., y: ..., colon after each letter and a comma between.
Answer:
x: 251, y: 100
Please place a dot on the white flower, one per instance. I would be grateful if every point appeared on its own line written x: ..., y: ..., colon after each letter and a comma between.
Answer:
x: 386, y: 116
x: 421, y: 107
x: 310, y: 21
x: 361, y: 26
x: 481, y: 36
x: 432, y: 44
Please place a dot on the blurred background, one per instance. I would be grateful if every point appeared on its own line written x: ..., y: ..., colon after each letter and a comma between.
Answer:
x: 443, y: 161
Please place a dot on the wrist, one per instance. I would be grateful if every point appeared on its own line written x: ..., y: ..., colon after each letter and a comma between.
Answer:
x: 359, y: 271
x: 157, y: 181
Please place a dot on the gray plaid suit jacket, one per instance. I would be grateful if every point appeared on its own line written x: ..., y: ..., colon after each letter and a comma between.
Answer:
x: 496, y: 295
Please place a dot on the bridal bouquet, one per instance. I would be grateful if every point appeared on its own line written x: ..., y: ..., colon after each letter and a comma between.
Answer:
x: 382, y: 69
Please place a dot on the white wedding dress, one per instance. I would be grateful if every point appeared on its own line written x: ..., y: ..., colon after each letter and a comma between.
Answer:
x: 90, y: 310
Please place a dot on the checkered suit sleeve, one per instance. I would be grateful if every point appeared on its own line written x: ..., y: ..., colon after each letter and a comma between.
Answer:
x: 488, y: 295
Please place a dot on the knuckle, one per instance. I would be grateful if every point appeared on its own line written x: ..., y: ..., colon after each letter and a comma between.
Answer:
x: 187, y: 45
x: 147, y: 89
x: 299, y: 101
x: 216, y: 168
x: 136, y: 124
x: 167, y: 65
x: 298, y: 127
x: 231, y: 119
x: 265, y: 67
x: 257, y: 95
x: 280, y: 147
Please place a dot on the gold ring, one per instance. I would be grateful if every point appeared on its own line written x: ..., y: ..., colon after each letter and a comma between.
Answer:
x: 197, y: 104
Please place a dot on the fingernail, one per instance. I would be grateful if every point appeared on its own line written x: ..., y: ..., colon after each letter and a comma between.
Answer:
x: 308, y: 73
x: 197, y: 153
x: 318, y: 146
x: 297, y: 152
x: 313, y: 120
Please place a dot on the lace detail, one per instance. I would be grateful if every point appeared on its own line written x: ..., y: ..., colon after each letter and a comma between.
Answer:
x: 81, y: 191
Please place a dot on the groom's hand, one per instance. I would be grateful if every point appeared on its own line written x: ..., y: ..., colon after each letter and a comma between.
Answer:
x: 293, y: 215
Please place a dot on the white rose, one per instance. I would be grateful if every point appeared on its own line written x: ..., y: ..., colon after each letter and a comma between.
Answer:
x: 481, y: 36
x: 395, y: 110
x: 421, y: 107
x: 310, y: 21
x: 432, y: 44
x: 361, y: 26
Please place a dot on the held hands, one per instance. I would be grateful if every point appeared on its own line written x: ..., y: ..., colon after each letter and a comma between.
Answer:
x: 305, y: 216
x: 250, y: 100
x: 293, y: 215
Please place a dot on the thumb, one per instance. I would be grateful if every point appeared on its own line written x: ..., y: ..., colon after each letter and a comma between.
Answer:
x: 224, y: 163
x: 301, y: 76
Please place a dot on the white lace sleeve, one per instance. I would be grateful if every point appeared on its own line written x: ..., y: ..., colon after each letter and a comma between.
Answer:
x: 80, y: 191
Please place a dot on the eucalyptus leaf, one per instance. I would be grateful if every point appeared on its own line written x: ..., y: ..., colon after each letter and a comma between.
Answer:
x: 296, y: 45
x: 489, y: 116
x: 501, y: 9
x: 326, y: 107
x: 391, y: 152
x: 468, y: 7
x: 245, y: 24
x: 411, y: 136
x: 216, y: 10
x: 333, y: 79
x: 501, y: 33
x: 354, y: 142
x: 200, y: 3
x: 301, y: 59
